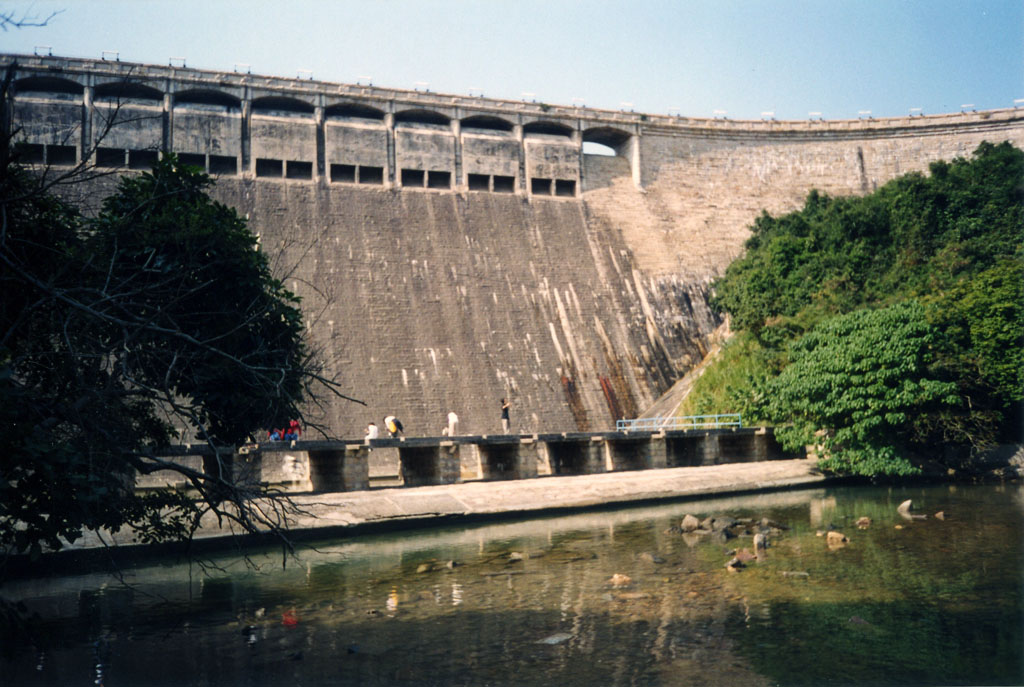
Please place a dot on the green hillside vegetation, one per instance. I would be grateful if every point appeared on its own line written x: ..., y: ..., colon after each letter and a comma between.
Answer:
x: 886, y: 328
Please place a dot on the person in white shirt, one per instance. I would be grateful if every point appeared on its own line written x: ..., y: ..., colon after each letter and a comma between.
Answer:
x: 453, y: 424
x: 371, y: 432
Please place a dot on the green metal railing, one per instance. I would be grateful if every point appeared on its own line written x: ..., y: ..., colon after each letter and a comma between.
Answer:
x: 653, y: 424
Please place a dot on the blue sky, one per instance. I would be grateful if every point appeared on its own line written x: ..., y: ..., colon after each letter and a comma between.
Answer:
x: 694, y: 57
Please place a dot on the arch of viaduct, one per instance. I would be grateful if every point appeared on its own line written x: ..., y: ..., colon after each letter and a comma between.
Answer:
x: 254, y: 126
x: 453, y: 250
x: 232, y: 124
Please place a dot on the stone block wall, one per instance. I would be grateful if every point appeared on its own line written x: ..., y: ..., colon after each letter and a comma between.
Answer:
x: 512, y: 264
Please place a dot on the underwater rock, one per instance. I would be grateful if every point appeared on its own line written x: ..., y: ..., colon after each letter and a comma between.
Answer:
x: 744, y: 556
x: 836, y: 540
x: 904, y: 509
x: 722, y: 535
x: 620, y: 580
x: 771, y: 524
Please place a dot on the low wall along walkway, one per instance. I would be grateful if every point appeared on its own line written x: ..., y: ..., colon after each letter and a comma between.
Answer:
x: 343, y: 466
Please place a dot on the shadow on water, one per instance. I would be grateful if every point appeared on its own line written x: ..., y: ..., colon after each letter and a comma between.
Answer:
x: 893, y: 643
x: 606, y: 598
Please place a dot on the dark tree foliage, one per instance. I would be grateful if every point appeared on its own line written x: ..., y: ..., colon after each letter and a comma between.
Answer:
x: 203, y: 321
x: 953, y: 241
x: 917, y: 235
x: 115, y: 330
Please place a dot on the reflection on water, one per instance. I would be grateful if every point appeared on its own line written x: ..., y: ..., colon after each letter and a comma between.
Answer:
x: 610, y: 598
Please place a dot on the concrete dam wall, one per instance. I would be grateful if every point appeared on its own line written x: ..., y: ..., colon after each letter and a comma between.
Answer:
x: 452, y: 250
x: 429, y: 302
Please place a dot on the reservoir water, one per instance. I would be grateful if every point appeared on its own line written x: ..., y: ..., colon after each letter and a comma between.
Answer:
x: 617, y: 597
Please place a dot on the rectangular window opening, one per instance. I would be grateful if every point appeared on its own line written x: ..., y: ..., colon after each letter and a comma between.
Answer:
x: 31, y: 153
x: 269, y: 168
x: 62, y: 155
x: 540, y: 187
x: 565, y: 187
x: 343, y: 173
x: 193, y: 160
x: 437, y: 179
x: 223, y: 164
x: 298, y: 169
x: 504, y: 184
x: 479, y: 182
x: 413, y: 177
x: 110, y: 157
x: 371, y: 175
x: 142, y: 159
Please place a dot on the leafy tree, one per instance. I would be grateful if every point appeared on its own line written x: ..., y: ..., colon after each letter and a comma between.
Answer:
x: 117, y: 330
x: 856, y: 384
x: 953, y: 240
x: 984, y: 318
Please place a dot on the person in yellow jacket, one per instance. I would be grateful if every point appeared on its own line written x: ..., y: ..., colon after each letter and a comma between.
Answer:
x: 393, y: 425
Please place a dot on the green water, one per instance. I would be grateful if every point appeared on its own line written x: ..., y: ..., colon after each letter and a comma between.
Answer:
x: 928, y: 601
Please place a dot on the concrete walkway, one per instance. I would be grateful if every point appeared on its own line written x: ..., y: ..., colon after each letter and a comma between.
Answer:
x: 345, y: 513
x: 414, y: 506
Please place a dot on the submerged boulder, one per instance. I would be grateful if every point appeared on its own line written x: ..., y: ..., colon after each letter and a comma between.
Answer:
x: 836, y: 540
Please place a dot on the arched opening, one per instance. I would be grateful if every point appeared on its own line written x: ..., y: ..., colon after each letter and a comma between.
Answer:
x: 604, y: 140
x: 547, y: 128
x: 353, y: 111
x: 204, y: 97
x: 421, y: 117
x: 47, y: 84
x: 127, y: 90
x: 486, y: 123
x: 594, y: 148
x: 280, y: 105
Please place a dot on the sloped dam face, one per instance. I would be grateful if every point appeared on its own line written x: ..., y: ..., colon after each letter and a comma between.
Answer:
x: 429, y: 302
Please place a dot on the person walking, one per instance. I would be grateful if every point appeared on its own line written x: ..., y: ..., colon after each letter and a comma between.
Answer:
x: 393, y: 425
x: 504, y: 416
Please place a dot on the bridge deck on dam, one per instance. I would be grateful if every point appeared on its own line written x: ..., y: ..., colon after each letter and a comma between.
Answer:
x: 325, y: 467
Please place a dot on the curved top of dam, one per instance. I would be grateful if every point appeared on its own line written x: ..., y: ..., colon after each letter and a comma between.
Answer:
x: 298, y: 96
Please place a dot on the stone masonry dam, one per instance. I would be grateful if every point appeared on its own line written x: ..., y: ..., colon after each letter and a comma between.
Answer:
x: 453, y: 250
